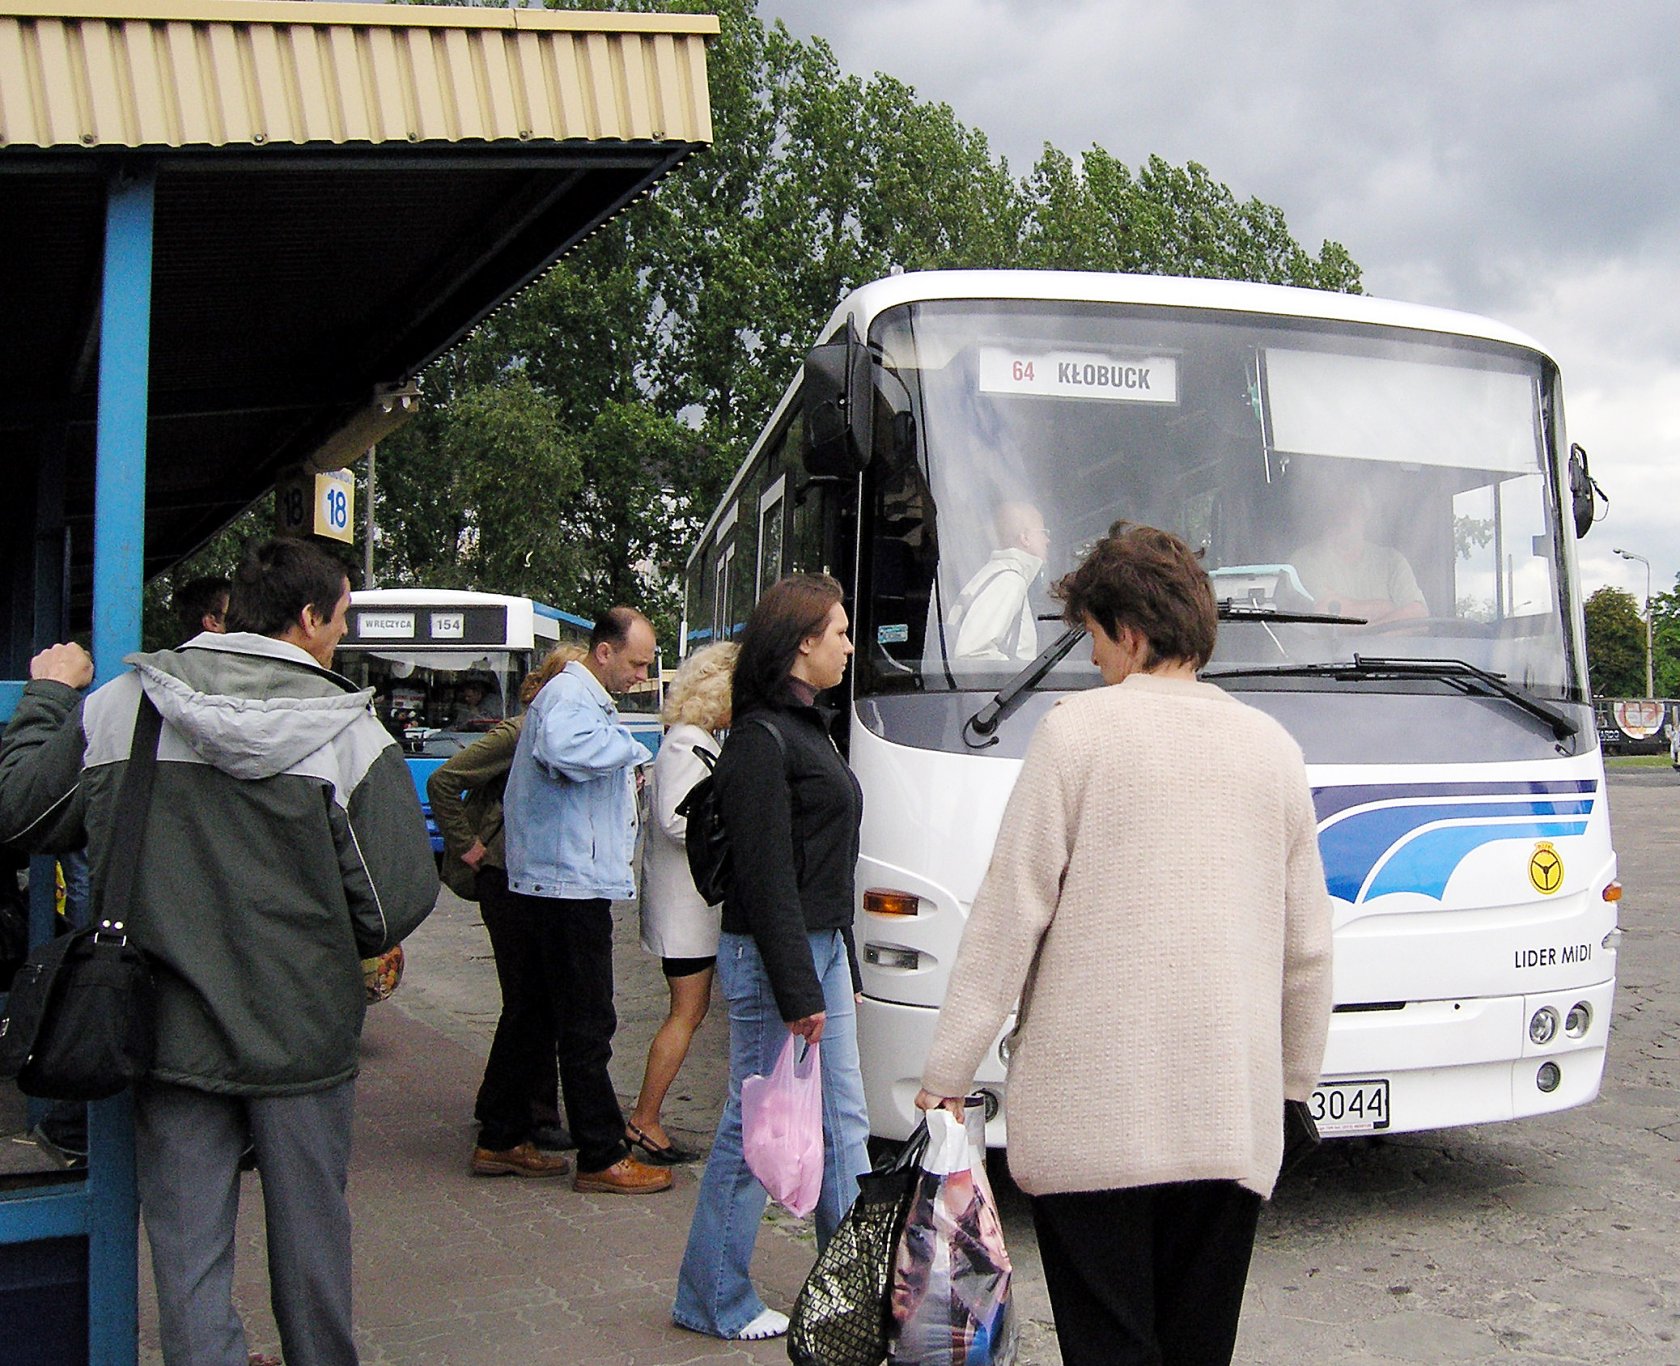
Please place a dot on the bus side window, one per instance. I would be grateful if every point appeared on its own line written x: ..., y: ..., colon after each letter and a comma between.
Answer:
x: 772, y: 529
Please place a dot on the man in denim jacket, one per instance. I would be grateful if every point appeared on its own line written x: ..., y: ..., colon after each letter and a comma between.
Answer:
x: 569, y: 814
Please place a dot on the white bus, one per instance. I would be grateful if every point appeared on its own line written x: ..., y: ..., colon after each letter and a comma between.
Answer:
x: 446, y: 664
x: 1456, y: 769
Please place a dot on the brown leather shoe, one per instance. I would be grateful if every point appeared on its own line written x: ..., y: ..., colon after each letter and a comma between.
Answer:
x: 523, y: 1160
x: 625, y: 1177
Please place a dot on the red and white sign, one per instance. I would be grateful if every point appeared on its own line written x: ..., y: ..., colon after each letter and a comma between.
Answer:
x: 1079, y: 374
x: 1639, y: 720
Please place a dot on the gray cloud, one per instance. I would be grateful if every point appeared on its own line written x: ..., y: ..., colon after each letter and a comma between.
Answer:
x: 1510, y: 157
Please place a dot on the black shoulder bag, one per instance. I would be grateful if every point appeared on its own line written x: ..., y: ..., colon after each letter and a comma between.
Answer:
x: 79, y: 1024
x: 707, y: 839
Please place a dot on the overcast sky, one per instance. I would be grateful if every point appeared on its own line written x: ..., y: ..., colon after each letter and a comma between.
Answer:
x: 1514, y: 158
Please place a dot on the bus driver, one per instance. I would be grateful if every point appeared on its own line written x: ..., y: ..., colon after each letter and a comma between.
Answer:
x: 1351, y: 576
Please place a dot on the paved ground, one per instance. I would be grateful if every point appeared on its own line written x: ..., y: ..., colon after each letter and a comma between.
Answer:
x: 1544, y: 1242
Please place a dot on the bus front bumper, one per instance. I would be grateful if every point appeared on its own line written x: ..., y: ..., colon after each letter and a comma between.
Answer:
x: 1422, y: 1065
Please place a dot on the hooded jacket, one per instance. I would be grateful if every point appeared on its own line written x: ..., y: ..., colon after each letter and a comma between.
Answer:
x: 283, y: 844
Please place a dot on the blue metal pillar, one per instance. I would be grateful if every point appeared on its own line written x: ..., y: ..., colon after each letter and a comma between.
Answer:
x: 119, y: 510
x: 119, y: 543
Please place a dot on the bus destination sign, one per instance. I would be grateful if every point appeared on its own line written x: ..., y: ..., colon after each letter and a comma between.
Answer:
x: 385, y: 625
x: 1079, y: 374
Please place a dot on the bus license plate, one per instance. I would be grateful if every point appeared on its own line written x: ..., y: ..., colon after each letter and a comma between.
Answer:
x: 1350, y: 1107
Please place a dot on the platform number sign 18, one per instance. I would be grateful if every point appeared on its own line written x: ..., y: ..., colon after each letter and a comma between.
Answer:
x: 321, y: 505
x: 292, y: 506
x: 334, y: 505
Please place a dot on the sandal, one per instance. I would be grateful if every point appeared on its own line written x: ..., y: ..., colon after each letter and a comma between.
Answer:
x: 668, y: 1156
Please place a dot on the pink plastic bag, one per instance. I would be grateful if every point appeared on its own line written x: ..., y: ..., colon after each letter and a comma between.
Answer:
x: 781, y: 1129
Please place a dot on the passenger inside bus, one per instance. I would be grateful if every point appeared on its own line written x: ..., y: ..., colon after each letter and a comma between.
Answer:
x: 992, y: 617
x: 423, y: 694
x: 1348, y: 574
x: 477, y: 707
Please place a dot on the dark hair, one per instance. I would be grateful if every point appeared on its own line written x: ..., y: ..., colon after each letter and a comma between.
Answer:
x: 277, y: 579
x: 612, y: 627
x: 1149, y: 580
x: 197, y: 599
x: 792, y: 610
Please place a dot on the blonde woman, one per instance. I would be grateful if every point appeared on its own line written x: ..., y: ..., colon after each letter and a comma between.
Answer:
x: 677, y: 924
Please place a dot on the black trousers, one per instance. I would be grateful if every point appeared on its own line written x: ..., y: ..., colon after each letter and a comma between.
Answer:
x: 522, y: 1009
x: 1148, y: 1276
x: 558, y: 952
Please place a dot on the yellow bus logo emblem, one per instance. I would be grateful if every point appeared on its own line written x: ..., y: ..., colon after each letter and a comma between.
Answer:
x: 1545, y: 869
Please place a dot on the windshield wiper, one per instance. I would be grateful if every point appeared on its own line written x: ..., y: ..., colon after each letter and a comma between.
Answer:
x: 1454, y: 671
x: 986, y: 720
x: 1232, y: 610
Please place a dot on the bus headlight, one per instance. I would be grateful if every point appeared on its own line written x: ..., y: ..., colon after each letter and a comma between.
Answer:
x: 1549, y: 1077
x: 1542, y: 1029
x: 1578, y: 1021
x: 892, y: 956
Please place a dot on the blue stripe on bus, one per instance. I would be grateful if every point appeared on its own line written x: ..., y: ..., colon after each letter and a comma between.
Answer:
x: 1402, y: 844
x: 1330, y: 800
x: 542, y: 609
x: 1426, y: 862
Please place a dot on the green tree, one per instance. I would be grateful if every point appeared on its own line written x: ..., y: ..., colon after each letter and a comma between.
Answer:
x: 1665, y: 641
x: 1165, y: 220
x: 1615, y: 644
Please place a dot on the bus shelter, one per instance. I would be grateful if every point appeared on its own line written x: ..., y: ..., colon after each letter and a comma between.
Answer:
x: 230, y: 232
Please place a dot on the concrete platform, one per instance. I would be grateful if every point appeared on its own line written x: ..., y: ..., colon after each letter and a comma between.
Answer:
x: 455, y: 1270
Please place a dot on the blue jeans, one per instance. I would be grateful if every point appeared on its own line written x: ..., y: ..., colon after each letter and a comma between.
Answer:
x: 714, y: 1291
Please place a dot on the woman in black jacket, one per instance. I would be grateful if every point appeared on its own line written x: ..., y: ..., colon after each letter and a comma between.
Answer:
x: 792, y: 809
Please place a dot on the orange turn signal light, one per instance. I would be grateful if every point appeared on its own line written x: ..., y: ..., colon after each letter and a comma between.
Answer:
x: 880, y: 901
x: 1613, y: 890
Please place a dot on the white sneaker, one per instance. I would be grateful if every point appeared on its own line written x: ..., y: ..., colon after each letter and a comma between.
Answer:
x: 769, y: 1324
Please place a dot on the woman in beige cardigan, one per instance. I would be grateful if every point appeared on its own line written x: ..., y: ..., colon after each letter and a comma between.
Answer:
x: 1157, y: 903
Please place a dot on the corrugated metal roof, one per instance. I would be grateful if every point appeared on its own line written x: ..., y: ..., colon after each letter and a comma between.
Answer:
x: 204, y: 73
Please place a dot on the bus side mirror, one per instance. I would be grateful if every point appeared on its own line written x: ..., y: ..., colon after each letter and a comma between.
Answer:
x: 1584, y: 491
x: 838, y: 409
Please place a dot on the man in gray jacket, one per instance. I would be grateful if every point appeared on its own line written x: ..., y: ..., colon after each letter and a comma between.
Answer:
x: 283, y: 844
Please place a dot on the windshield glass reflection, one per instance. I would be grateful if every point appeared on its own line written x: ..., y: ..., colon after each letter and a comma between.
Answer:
x: 1394, y: 483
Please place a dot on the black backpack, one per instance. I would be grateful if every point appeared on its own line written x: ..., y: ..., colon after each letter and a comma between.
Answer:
x: 707, y: 840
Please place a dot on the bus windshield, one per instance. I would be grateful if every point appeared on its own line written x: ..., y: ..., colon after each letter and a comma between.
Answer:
x: 1353, y: 490
x: 460, y: 692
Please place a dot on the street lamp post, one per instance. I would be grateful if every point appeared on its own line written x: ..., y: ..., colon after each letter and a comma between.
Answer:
x: 1650, y: 675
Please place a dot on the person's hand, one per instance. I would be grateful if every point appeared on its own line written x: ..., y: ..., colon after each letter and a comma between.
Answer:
x: 810, y: 1028
x: 473, y: 854
x: 926, y: 1100
x: 69, y: 664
